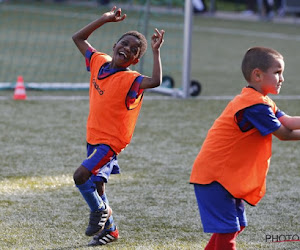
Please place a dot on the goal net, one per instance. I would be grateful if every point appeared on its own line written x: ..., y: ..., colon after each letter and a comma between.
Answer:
x: 36, y: 37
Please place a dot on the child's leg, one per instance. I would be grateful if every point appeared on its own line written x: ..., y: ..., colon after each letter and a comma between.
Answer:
x: 99, y: 157
x: 212, y: 242
x: 220, y: 241
x: 109, y: 225
x: 88, y: 189
x: 219, y: 211
x: 110, y: 232
x: 100, y: 212
x: 226, y: 241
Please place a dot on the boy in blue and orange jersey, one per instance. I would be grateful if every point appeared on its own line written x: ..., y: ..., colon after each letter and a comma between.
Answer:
x: 116, y: 94
x: 233, y: 162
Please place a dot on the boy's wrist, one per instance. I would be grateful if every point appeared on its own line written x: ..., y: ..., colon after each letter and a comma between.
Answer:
x: 155, y: 51
x: 104, y: 19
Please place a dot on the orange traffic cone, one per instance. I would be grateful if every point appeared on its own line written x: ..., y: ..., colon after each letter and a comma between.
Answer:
x: 20, y: 93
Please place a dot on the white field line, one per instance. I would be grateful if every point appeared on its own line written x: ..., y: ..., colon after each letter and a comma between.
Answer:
x: 250, y: 33
x: 73, y: 98
x: 146, y: 98
x: 216, y: 30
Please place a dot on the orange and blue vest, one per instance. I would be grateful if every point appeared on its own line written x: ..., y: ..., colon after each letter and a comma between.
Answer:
x: 111, y: 121
x: 238, y: 160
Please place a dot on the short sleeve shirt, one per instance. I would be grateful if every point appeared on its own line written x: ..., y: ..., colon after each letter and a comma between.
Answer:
x: 259, y: 116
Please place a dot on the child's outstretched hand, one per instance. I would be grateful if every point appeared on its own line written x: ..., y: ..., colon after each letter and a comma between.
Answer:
x: 157, y: 39
x: 115, y: 15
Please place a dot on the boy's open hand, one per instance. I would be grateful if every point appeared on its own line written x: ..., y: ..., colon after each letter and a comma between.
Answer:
x: 115, y: 15
x: 157, y: 39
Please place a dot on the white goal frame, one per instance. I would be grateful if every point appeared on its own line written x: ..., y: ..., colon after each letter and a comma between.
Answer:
x: 187, y: 48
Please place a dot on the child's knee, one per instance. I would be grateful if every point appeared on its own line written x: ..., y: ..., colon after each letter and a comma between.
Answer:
x: 81, y: 175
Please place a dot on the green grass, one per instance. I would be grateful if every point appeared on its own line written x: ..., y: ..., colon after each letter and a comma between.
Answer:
x: 154, y: 205
x: 43, y: 141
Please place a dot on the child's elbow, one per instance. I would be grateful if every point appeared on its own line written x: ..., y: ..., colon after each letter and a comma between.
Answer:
x: 157, y: 83
x: 74, y: 38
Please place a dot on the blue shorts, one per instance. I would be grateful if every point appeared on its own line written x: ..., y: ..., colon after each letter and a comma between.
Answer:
x: 220, y: 212
x: 101, y: 161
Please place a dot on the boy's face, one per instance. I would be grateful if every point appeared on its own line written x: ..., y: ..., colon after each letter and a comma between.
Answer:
x: 126, y: 52
x: 272, y: 79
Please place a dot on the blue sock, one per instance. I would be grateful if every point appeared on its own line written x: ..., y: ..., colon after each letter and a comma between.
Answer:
x: 91, y: 196
x: 109, y: 225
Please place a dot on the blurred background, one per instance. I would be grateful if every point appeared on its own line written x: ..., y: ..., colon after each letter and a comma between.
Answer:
x: 36, y: 42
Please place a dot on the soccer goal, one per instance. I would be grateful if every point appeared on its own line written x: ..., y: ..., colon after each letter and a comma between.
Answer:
x: 37, y: 42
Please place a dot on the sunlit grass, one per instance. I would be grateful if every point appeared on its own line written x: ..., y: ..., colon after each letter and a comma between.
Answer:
x: 153, y: 203
x: 19, y: 185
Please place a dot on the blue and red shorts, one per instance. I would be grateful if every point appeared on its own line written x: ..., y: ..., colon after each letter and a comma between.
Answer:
x: 101, y: 161
x: 220, y: 212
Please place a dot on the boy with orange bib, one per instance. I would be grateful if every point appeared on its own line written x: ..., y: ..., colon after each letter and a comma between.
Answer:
x: 233, y: 162
x: 116, y: 95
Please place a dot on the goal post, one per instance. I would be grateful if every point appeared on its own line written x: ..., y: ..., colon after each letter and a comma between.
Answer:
x: 185, y: 88
x: 37, y: 43
x: 187, y: 45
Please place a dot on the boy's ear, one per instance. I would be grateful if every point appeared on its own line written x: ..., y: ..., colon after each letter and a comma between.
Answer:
x: 256, y: 74
x: 135, y: 61
x: 114, y: 46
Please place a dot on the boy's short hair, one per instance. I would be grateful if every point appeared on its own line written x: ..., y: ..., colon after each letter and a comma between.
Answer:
x: 140, y: 37
x: 258, y: 57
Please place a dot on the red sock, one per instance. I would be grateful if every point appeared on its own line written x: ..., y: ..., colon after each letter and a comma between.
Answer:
x: 220, y: 241
x: 225, y: 241
x: 211, y: 244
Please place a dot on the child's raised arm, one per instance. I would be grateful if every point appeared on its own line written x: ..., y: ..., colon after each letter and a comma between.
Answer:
x: 81, y: 36
x: 156, y: 42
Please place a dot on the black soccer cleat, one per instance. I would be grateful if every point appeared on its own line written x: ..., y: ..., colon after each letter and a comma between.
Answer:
x: 104, y: 238
x: 98, y: 220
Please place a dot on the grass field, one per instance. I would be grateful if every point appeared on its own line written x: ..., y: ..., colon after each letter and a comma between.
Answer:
x: 43, y: 142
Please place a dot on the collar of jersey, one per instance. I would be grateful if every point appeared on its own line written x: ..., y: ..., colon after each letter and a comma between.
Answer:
x: 105, y: 71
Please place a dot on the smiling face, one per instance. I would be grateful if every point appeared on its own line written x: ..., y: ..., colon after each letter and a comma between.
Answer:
x: 272, y: 79
x: 126, y: 52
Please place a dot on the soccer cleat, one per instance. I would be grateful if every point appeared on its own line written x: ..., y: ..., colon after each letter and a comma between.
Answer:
x: 104, y: 237
x: 98, y: 220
